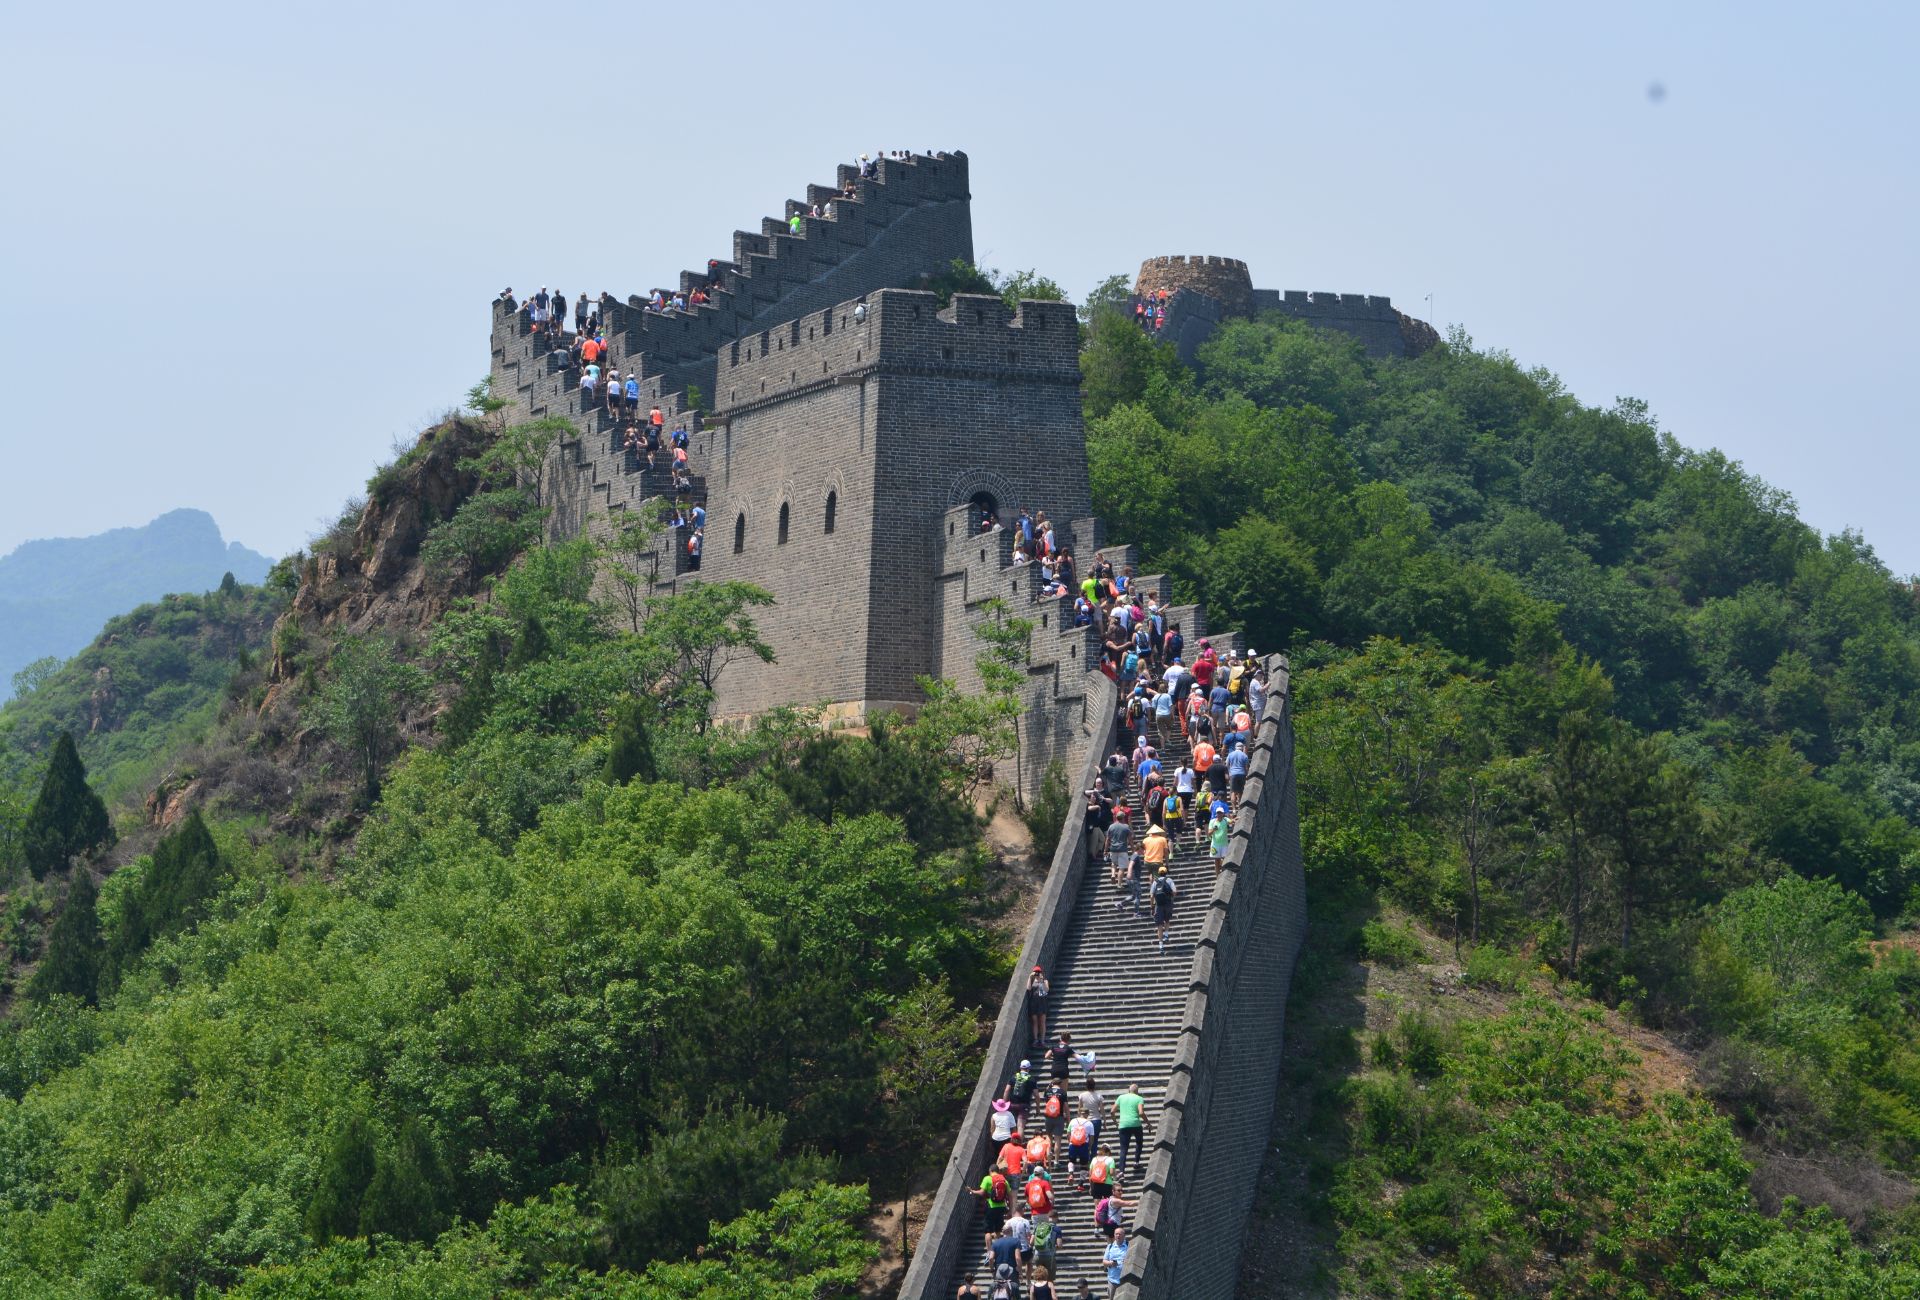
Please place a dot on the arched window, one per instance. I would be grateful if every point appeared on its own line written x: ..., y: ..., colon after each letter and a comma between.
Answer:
x: 785, y: 514
x: 740, y: 532
x: 833, y: 504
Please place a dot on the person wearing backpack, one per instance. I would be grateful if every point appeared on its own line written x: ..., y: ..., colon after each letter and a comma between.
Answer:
x: 1102, y: 1175
x: 1174, y: 808
x: 996, y: 1192
x: 1039, y: 1152
x: 1109, y: 1215
x: 1039, y: 1191
x: 1079, y: 1143
x: 1043, y: 1284
x: 1164, y: 892
x: 1055, y: 1107
x: 1019, y: 1093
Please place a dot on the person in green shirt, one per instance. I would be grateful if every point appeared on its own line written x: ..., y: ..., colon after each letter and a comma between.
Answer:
x: 1131, y: 1119
x: 1219, y: 834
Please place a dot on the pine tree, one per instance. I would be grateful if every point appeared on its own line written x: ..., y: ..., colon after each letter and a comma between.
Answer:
x: 408, y: 1194
x: 68, y: 817
x: 170, y: 895
x: 630, y: 757
x: 71, y: 963
x: 334, y: 1210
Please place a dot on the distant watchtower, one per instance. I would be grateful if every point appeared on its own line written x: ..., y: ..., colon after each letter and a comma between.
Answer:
x: 836, y: 445
x: 1202, y: 291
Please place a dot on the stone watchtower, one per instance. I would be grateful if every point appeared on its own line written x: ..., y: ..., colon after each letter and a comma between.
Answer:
x: 1203, y: 291
x: 836, y: 446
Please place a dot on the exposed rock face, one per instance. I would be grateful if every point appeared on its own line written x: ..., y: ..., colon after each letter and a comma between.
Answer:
x: 378, y: 579
x: 100, y: 701
x: 173, y: 799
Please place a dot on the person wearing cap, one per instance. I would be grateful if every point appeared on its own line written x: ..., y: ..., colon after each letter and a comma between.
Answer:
x: 614, y: 391
x: 633, y: 393
x: 1164, y: 891
x: 1019, y: 1093
x: 1037, y: 991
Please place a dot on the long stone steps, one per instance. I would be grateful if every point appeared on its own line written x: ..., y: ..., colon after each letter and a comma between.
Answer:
x: 1122, y: 999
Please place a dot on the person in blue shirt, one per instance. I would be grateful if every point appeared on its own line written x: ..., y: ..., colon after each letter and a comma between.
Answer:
x: 633, y: 393
x: 1237, y: 764
x: 1115, y: 1259
x: 699, y: 516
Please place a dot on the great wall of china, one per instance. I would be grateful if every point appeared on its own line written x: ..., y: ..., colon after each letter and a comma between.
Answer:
x: 847, y: 435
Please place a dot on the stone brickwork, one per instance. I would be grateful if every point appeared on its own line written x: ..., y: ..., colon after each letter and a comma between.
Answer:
x: 1207, y: 1151
x: 901, y: 411
x: 1381, y: 328
x: 1224, y: 279
x: 910, y: 219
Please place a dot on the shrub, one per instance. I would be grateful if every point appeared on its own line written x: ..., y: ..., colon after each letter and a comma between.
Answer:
x: 1390, y: 945
x: 1492, y: 967
x: 1048, y: 815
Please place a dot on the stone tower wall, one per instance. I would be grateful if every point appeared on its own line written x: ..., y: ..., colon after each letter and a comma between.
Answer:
x: 901, y: 410
x: 1223, y: 278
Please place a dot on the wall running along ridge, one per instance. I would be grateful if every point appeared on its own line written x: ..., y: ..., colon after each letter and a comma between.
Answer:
x: 1202, y: 1168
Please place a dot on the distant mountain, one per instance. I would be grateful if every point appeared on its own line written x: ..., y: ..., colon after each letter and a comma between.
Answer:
x: 55, y: 593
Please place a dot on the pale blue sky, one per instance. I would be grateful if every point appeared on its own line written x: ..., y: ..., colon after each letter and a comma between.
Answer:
x: 248, y: 246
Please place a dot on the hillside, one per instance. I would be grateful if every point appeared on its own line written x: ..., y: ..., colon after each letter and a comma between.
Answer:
x: 55, y: 593
x: 454, y: 926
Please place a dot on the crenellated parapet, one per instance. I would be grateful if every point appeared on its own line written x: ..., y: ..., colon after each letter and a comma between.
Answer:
x: 1219, y: 288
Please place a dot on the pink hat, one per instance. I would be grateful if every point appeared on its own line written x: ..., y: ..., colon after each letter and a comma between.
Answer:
x: 1001, y: 1104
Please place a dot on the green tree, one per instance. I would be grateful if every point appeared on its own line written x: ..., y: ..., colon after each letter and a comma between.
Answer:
x: 1028, y: 284
x: 1113, y: 294
x: 519, y: 456
x: 67, y: 819
x: 168, y: 893
x: 408, y: 1195
x: 1003, y: 673
x: 697, y: 631
x: 1259, y: 577
x: 28, y: 679
x: 367, y: 691
x: 334, y: 1208
x: 485, y: 531
x: 930, y: 1062
x: 71, y: 963
x: 630, y: 752
x: 663, y: 1204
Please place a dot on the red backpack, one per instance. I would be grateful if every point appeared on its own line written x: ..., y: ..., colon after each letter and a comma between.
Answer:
x: 999, y: 1188
x: 1055, y: 1104
x: 1039, y: 1196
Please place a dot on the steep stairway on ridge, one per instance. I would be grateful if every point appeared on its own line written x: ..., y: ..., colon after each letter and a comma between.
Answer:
x: 1122, y: 1000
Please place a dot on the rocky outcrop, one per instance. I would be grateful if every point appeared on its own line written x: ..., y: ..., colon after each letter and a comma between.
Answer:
x: 374, y: 578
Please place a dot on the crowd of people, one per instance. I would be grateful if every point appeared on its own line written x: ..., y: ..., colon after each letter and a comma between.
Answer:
x: 1209, y: 706
x: 1039, y: 1127
x: 1150, y: 310
x: 585, y: 357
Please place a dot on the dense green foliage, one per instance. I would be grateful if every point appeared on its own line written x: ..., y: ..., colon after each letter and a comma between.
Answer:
x: 543, y: 1021
x: 1515, y: 1156
x: 150, y: 684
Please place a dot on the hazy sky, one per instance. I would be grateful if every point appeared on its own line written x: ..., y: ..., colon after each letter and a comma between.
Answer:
x: 249, y: 246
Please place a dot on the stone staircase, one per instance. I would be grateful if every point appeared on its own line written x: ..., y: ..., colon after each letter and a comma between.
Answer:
x: 1123, y: 1000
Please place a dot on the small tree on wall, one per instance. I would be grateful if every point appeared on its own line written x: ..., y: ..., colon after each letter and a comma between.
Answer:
x: 1003, y: 672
